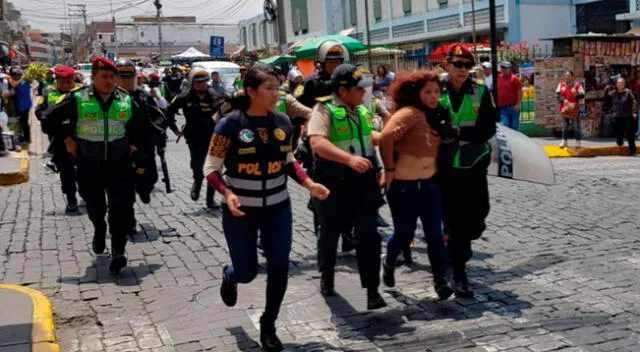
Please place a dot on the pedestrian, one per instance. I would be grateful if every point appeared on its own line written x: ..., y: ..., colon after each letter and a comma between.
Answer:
x: 465, y: 187
x: 509, y: 96
x: 413, y: 191
x: 569, y: 93
x: 173, y: 82
x: 238, y: 81
x: 64, y: 162
x: 198, y: 106
x: 625, y: 112
x: 253, y: 144
x: 487, y: 72
x: 22, y: 97
x: 216, y: 84
x: 383, y: 80
x: 97, y: 124
x: 341, y: 135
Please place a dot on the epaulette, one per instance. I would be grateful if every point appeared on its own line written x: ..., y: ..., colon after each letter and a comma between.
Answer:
x: 79, y: 87
x: 60, y: 99
x: 323, y: 99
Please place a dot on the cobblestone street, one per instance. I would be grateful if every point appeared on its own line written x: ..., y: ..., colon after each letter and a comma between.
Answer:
x: 556, y: 270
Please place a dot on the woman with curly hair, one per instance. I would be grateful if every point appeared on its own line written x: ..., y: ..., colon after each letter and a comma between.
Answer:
x: 409, y: 144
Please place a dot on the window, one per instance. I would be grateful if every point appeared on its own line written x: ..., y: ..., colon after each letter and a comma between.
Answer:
x: 254, y: 35
x: 443, y: 4
x: 299, y: 17
x: 353, y: 15
x: 265, y: 37
x: 406, y: 7
x: 377, y: 10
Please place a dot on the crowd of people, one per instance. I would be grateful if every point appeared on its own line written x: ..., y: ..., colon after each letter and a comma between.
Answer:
x: 427, y: 157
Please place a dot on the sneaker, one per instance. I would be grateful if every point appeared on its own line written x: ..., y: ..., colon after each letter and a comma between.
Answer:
x: 388, y: 275
x: 563, y: 144
x: 374, y: 300
x: 228, y: 289
x: 118, y: 262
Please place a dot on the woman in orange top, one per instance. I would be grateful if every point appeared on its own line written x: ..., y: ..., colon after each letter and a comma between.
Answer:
x: 410, y: 161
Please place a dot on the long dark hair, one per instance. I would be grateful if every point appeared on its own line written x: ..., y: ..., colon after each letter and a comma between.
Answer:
x: 253, y: 79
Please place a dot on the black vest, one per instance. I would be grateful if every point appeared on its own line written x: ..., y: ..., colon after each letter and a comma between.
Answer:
x: 255, y: 170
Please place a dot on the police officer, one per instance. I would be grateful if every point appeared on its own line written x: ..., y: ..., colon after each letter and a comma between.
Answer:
x: 465, y: 188
x: 295, y: 87
x: 298, y: 113
x: 330, y: 55
x: 49, y: 81
x: 63, y: 161
x: 173, y: 82
x: 159, y: 93
x: 238, y: 82
x: 97, y: 124
x: 253, y: 143
x: 341, y: 135
x: 152, y: 120
x: 198, y: 106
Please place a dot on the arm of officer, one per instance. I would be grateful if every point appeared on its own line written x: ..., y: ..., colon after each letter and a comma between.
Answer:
x: 176, y: 104
x: 318, y: 132
x: 296, y: 109
x: 485, y: 126
x: 62, y: 117
x: 307, y: 99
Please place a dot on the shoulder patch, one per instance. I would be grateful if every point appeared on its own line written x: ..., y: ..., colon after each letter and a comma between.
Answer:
x: 298, y: 91
x: 40, y: 100
x: 61, y: 98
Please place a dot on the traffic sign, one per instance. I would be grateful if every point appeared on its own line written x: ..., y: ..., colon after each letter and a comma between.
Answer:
x: 216, y: 46
x: 111, y: 56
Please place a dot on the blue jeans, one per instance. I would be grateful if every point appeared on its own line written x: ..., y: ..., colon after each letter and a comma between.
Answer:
x: 577, y: 128
x: 410, y: 200
x: 509, y: 117
x: 275, y: 227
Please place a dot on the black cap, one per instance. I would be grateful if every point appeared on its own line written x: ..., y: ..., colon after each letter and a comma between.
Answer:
x: 126, y: 68
x: 347, y: 75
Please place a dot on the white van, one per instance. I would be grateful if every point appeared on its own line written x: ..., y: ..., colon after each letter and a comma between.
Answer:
x: 228, y: 71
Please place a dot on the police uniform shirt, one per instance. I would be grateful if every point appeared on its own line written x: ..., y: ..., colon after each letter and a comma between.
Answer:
x: 485, y: 126
x: 197, y: 111
x: 320, y: 123
x: 296, y: 109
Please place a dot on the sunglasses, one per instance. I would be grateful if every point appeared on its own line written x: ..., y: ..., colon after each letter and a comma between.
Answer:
x: 462, y: 64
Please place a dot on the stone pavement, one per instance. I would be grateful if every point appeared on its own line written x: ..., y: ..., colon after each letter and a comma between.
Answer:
x: 556, y: 270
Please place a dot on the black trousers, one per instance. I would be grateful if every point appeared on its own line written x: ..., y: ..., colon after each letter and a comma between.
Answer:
x: 626, y: 128
x: 107, y: 187
x: 466, y: 206
x: 23, y: 118
x: 66, y: 164
x: 198, y: 148
x: 354, y: 201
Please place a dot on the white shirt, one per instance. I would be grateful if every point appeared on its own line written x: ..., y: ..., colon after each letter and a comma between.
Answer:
x: 488, y: 81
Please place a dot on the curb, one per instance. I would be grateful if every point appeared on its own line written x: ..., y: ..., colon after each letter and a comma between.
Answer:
x: 573, y: 152
x: 43, y: 337
x: 19, y: 176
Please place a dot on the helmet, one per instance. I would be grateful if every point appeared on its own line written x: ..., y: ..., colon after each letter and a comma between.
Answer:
x: 126, y: 68
x: 198, y: 74
x: 293, y: 74
x: 332, y: 50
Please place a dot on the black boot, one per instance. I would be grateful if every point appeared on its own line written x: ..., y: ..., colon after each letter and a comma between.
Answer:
x: 462, y: 288
x: 442, y: 288
x: 211, y: 202
x: 268, y: 338
x: 72, y: 204
x: 228, y: 289
x: 118, y: 262
x: 327, y: 283
x: 374, y: 300
x: 388, y: 275
x: 195, y: 189
x: 99, y: 235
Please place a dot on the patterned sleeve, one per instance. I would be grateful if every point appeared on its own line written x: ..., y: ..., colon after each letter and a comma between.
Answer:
x: 219, y: 146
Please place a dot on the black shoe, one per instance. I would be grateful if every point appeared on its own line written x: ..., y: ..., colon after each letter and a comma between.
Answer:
x: 374, y: 300
x: 388, y: 275
x: 145, y: 197
x: 52, y: 166
x: 382, y: 222
x: 99, y: 236
x: 348, y: 242
x: 195, y: 190
x: 118, y: 262
x: 443, y: 289
x: 327, y: 284
x: 463, y: 290
x: 228, y: 289
x: 268, y: 338
x: 72, y: 204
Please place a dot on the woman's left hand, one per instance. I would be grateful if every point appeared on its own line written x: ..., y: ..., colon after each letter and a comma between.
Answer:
x: 318, y: 190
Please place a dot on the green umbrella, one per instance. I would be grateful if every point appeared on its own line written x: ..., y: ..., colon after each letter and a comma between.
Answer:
x: 308, y: 49
x: 277, y: 60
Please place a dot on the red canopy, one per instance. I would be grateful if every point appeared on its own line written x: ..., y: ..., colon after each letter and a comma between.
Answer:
x: 439, y: 54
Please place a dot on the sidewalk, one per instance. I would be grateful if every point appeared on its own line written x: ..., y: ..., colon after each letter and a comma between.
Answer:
x: 590, y: 148
x: 14, y: 169
x: 26, y: 322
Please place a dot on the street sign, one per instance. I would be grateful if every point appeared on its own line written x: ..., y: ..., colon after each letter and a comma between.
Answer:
x: 216, y: 46
x: 111, y: 56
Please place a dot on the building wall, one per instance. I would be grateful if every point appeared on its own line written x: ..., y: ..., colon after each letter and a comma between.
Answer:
x: 260, y: 24
x: 549, y: 21
x: 173, y: 33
